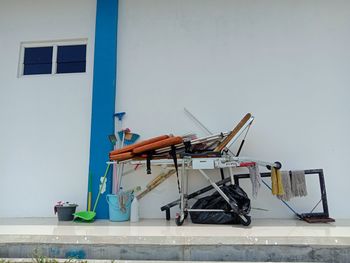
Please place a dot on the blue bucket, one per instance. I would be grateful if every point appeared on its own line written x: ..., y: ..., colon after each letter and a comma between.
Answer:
x: 117, y: 213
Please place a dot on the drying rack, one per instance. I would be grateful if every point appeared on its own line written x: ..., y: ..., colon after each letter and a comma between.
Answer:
x: 310, y: 217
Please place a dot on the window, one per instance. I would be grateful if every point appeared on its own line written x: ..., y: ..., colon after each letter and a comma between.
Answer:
x: 37, y: 60
x: 52, y: 57
x: 71, y: 59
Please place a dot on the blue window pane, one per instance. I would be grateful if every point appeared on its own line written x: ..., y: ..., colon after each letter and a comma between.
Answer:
x: 71, y: 67
x: 38, y: 55
x: 32, y: 69
x: 76, y: 53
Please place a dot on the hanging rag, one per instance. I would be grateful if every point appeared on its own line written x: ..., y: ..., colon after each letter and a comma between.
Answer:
x: 123, y: 199
x: 276, y: 180
x: 298, y: 183
x: 255, y: 178
x: 287, y: 187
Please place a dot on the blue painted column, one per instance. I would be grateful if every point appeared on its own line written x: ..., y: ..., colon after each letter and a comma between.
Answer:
x: 103, y: 97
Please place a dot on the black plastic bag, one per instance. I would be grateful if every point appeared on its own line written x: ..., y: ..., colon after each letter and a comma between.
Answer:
x: 238, y: 198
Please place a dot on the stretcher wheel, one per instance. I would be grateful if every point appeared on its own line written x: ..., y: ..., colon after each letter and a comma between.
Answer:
x: 247, y: 223
x: 278, y: 165
x: 178, y: 220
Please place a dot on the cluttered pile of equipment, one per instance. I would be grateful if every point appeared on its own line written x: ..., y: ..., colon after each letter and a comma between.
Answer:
x: 229, y: 203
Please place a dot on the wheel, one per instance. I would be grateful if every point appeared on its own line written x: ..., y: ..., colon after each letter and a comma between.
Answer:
x: 178, y: 220
x: 246, y: 223
x: 278, y: 165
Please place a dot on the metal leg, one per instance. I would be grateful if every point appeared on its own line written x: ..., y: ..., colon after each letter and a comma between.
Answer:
x: 231, y: 175
x: 186, y: 193
x: 181, y: 216
x: 183, y: 193
x: 167, y: 214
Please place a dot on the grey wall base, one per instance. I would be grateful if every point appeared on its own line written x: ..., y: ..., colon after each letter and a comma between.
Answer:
x: 274, y: 253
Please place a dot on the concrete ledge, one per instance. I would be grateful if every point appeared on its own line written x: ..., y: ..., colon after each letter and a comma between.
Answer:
x: 254, y: 253
x: 264, y: 240
x: 26, y: 260
x: 161, y: 232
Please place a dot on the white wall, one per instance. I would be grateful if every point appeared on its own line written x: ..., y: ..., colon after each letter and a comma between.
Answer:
x: 44, y: 119
x: 287, y: 62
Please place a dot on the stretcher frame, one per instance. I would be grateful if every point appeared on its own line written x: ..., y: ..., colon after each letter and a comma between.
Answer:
x: 188, y: 163
x: 223, y: 159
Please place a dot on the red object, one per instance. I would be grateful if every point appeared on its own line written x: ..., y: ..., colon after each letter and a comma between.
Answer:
x: 139, y: 144
x: 247, y: 164
x: 158, y: 145
x: 121, y: 156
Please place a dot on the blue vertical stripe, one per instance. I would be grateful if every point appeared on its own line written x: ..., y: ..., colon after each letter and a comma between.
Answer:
x: 103, y: 97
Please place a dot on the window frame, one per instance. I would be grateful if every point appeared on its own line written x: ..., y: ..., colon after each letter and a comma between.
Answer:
x: 54, y: 44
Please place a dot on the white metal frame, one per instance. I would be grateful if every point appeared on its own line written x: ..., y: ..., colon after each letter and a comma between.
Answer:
x: 226, y: 160
x: 187, y: 163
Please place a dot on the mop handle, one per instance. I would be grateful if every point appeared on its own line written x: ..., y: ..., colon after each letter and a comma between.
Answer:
x: 103, y: 182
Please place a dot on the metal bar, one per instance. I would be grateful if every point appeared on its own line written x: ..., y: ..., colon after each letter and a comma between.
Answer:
x: 231, y: 175
x: 313, y: 209
x: 157, y: 162
x: 182, y: 197
x: 323, y: 193
x: 210, y: 137
x: 208, y: 210
x: 259, y: 162
x: 222, y: 173
x: 282, y: 200
x: 167, y: 214
x: 217, y: 188
x: 245, y: 126
x: 197, y: 121
x: 195, y: 194
x: 186, y: 188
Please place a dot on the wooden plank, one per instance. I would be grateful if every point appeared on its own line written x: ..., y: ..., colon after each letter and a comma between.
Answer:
x: 155, y: 182
x: 236, y: 129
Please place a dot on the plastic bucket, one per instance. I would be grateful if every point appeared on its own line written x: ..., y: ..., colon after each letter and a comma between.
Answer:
x: 65, y: 213
x: 117, y: 213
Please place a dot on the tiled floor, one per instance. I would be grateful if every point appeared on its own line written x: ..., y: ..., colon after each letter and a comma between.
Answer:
x: 159, y: 231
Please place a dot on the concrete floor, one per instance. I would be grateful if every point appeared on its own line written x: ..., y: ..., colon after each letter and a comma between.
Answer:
x: 161, y: 240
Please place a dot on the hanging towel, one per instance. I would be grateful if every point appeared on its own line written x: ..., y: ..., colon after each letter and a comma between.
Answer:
x: 274, y: 184
x: 255, y: 178
x: 287, y: 187
x: 298, y: 183
x: 276, y: 180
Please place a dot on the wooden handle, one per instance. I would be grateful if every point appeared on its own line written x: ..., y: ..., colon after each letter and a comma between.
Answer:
x: 155, y: 179
x: 139, y: 144
x: 232, y: 134
x: 158, y: 145
x: 162, y: 176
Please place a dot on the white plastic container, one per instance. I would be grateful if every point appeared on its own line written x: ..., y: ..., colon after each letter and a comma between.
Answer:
x: 134, y: 214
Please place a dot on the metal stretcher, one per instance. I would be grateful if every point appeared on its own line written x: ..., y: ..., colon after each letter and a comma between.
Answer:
x: 201, y: 154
